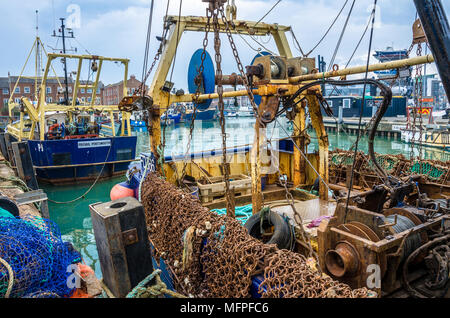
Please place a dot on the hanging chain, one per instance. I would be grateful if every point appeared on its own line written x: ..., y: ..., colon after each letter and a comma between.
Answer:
x: 239, y: 65
x: 418, y: 103
x: 218, y: 58
x: 197, y: 92
x: 289, y: 197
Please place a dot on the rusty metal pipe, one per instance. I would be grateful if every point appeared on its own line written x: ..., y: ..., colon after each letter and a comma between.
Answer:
x: 343, y: 260
x: 232, y: 79
x: 362, y: 69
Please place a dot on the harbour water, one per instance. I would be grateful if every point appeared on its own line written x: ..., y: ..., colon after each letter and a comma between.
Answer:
x: 74, y: 219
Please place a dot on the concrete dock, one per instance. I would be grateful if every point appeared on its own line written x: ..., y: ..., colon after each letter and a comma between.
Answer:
x: 389, y: 127
x: 11, y: 187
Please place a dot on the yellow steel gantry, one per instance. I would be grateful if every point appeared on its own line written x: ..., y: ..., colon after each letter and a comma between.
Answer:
x: 37, y: 112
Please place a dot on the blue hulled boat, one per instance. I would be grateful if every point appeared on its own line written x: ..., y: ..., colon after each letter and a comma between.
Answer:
x: 67, y: 142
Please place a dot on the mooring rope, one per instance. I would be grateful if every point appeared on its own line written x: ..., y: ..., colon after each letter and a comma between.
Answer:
x: 11, y: 277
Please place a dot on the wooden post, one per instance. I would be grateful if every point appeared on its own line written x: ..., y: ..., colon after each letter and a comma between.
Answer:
x: 317, y: 123
x: 3, y: 146
x: 24, y: 164
x: 9, y: 150
x: 122, y: 243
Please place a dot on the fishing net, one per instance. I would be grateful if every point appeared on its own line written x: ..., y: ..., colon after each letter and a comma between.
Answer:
x: 212, y: 255
x: 394, y: 165
x: 38, y: 257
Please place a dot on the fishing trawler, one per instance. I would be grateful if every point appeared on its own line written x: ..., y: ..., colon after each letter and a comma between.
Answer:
x: 237, y: 229
x: 66, y: 142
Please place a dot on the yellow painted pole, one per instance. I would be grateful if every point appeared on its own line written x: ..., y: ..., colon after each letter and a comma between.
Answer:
x: 11, y: 105
x: 113, y: 127
x: 97, y: 78
x: 41, y: 101
x: 255, y: 161
x: 362, y: 69
x: 322, y: 137
x: 77, y: 83
x: 20, y: 126
x: 299, y: 161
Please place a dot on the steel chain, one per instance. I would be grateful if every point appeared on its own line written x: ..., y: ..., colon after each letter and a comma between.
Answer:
x: 197, y: 92
x: 223, y: 256
x: 218, y: 58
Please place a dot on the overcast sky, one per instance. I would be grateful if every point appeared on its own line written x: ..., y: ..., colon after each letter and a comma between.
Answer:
x: 118, y: 28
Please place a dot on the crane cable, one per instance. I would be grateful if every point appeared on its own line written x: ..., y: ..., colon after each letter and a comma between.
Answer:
x: 323, y: 37
x: 361, y: 110
x: 147, y: 47
x: 338, y: 44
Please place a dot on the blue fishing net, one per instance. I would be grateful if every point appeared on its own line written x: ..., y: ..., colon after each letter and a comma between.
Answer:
x: 40, y: 260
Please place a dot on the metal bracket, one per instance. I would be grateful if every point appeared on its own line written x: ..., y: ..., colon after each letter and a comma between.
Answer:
x: 130, y: 237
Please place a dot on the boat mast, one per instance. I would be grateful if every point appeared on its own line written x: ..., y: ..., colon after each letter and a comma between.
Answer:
x: 63, y: 36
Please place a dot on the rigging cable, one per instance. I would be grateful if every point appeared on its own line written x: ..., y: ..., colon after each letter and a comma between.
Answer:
x: 323, y: 37
x: 361, y: 114
x: 267, y: 12
x: 147, y: 46
x: 170, y: 80
x: 338, y: 44
x: 356, y: 48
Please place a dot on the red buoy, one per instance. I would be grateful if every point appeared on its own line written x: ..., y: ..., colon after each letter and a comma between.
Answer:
x: 120, y: 191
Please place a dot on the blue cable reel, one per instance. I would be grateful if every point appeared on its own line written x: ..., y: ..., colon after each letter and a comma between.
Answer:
x: 208, y: 77
x: 258, y: 98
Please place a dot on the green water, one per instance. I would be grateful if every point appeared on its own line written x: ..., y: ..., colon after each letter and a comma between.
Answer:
x: 74, y: 219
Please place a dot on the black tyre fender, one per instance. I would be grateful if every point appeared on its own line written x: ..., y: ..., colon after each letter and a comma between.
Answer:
x: 282, y: 234
x: 9, y: 205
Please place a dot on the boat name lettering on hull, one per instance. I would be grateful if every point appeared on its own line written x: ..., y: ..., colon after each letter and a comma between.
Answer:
x: 94, y: 143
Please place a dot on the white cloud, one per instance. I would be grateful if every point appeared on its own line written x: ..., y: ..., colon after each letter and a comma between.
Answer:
x: 118, y: 28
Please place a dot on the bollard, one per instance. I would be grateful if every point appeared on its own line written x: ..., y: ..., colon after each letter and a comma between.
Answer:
x: 122, y: 241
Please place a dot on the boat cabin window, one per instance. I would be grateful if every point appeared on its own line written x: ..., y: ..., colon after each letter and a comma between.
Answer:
x: 346, y: 103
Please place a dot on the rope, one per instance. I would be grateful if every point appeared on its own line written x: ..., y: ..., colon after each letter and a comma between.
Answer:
x: 11, y: 277
x: 91, y: 187
x: 158, y: 289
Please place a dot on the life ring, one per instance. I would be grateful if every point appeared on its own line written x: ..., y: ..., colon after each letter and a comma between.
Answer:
x: 282, y: 236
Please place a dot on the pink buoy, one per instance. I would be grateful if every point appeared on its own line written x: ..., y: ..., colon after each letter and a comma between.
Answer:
x: 121, y: 191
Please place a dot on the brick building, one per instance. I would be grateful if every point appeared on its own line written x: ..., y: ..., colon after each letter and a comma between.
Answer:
x: 55, y: 93
x: 113, y: 93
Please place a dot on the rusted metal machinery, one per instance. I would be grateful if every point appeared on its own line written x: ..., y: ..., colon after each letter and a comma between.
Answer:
x: 365, y: 248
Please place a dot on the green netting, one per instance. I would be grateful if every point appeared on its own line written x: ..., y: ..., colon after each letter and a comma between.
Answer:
x: 428, y: 169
